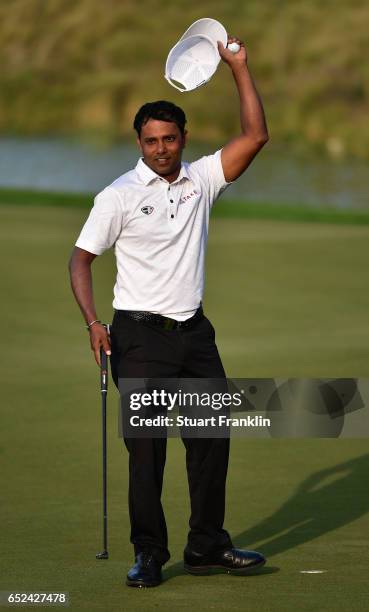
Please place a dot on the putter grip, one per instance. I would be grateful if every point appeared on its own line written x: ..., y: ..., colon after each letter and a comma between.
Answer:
x: 104, y: 371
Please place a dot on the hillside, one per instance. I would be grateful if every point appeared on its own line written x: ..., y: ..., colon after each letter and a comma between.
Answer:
x: 84, y: 68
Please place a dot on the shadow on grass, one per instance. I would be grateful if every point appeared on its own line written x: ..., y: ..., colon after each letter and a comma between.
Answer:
x: 324, y: 502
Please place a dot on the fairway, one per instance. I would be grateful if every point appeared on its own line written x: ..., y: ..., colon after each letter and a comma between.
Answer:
x: 287, y: 300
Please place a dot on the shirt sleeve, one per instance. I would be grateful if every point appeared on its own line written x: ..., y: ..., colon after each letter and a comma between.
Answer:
x: 104, y: 223
x: 211, y: 170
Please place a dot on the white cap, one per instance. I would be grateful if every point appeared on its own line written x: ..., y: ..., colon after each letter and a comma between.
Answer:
x: 194, y: 59
x: 207, y: 27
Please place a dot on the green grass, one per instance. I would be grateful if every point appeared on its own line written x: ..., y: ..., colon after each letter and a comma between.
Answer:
x: 222, y: 209
x: 29, y: 197
x: 287, y: 299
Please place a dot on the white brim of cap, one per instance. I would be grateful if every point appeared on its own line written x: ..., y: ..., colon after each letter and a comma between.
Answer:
x: 192, y: 62
x: 207, y: 27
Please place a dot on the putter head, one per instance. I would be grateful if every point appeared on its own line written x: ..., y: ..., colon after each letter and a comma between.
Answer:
x: 103, y: 555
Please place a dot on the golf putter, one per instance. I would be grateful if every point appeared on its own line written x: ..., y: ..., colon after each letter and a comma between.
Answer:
x: 104, y: 391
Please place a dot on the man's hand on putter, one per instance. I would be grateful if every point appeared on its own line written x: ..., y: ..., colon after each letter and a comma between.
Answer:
x: 99, y: 337
x: 233, y: 59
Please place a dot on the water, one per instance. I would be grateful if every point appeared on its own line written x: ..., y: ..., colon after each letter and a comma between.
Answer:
x: 275, y: 177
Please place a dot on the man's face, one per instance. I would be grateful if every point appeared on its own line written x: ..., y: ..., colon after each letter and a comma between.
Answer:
x: 162, y: 143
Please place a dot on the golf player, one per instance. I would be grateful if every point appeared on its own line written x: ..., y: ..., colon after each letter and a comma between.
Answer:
x: 156, y: 216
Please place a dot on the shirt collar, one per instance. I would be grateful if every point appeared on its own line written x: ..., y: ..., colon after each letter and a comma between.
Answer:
x: 147, y: 175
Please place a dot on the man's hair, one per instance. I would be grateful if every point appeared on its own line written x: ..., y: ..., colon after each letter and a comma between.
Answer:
x: 162, y: 111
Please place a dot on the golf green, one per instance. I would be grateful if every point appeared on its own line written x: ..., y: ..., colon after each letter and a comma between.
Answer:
x: 287, y: 299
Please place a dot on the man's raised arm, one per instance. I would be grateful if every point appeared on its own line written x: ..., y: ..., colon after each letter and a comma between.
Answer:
x: 81, y: 282
x: 239, y: 152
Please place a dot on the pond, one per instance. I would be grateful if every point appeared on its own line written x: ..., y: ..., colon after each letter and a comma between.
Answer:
x: 276, y: 177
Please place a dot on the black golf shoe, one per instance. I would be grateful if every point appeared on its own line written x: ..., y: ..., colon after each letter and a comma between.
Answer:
x: 231, y: 561
x: 145, y: 573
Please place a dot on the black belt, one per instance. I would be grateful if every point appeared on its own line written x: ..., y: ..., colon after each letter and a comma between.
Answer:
x: 159, y: 321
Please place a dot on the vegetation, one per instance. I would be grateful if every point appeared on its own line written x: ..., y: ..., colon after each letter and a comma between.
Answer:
x: 85, y: 67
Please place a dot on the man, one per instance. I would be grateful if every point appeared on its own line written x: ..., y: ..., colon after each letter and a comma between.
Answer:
x: 157, y: 217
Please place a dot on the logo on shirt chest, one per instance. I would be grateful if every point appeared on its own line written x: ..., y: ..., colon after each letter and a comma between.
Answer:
x: 189, y: 196
x: 147, y: 210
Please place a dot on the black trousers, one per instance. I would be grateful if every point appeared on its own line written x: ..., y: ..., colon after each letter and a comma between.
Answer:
x: 140, y: 350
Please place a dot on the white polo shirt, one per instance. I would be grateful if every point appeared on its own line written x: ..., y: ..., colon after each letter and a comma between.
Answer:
x: 159, y: 231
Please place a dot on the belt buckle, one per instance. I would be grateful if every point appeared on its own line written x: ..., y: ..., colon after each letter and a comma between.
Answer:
x: 170, y: 324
